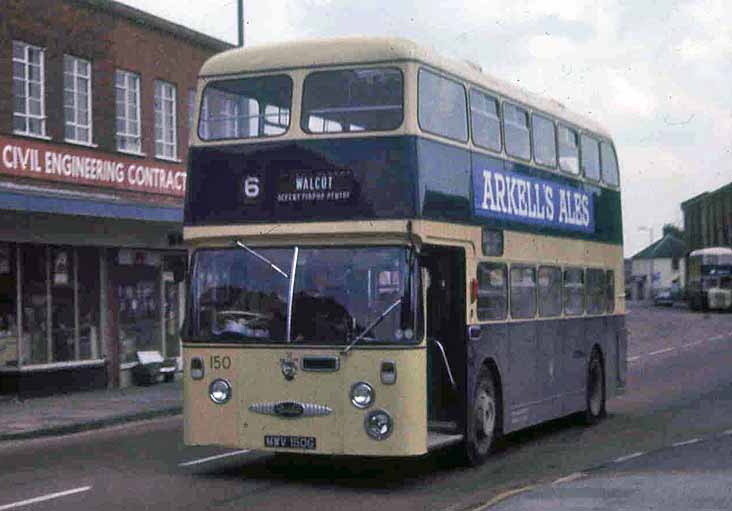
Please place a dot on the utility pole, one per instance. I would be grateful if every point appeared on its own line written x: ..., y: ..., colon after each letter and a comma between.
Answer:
x: 240, y: 21
x: 650, y: 263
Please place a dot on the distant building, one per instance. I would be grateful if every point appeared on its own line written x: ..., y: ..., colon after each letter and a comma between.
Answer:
x: 95, y: 106
x: 664, y: 260
x: 708, y: 219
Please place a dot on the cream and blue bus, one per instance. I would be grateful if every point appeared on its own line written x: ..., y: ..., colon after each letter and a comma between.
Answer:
x: 392, y: 252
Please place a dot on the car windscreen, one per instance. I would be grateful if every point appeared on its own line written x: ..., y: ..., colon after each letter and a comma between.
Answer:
x: 353, y: 100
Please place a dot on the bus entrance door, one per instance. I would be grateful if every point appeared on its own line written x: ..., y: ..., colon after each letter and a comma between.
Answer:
x: 445, y: 309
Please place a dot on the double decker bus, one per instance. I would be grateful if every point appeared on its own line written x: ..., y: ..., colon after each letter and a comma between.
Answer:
x: 709, y: 278
x: 393, y: 252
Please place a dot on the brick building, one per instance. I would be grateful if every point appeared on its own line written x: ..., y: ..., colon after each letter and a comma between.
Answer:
x: 95, y: 107
x: 708, y: 219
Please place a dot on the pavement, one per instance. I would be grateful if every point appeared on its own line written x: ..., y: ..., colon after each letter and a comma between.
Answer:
x: 81, y: 411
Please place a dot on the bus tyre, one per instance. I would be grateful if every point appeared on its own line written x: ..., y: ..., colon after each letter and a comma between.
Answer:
x: 483, y: 420
x: 595, y: 400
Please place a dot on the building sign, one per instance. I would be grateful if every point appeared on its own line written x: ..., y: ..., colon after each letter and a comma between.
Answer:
x: 510, y: 196
x: 315, y: 186
x: 54, y: 162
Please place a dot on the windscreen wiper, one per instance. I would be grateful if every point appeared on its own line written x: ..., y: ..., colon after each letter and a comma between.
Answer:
x: 262, y: 258
x: 371, y: 326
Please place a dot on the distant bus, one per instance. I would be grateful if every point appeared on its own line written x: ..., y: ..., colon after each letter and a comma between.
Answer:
x: 709, y: 279
x: 392, y: 252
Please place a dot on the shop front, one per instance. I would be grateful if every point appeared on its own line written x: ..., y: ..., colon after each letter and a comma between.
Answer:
x: 87, y: 278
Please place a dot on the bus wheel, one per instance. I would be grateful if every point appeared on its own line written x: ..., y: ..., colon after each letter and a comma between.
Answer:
x: 595, y: 406
x: 483, y: 420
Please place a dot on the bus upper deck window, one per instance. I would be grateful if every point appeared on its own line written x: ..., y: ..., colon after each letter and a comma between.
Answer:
x: 246, y: 108
x: 442, y: 108
x: 609, y: 164
x: 516, y: 128
x: 590, y: 157
x: 353, y: 100
x: 568, y: 150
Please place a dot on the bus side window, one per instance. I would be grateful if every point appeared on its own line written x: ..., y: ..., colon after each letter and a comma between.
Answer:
x: 574, y: 291
x: 590, y: 157
x: 492, y: 291
x: 568, y: 150
x: 550, y: 291
x: 545, y: 148
x: 610, y: 291
x: 596, y: 291
x: 609, y: 165
x: 485, y: 120
x: 442, y: 106
x: 523, y: 292
x: 516, y: 129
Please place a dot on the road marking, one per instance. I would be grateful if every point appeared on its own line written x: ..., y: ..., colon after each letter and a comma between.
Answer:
x: 570, y: 478
x: 43, y: 498
x: 633, y: 359
x: 686, y: 442
x: 717, y: 338
x: 693, y: 344
x: 727, y: 432
x: 211, y: 458
x: 628, y: 457
x: 503, y: 496
x: 658, y: 352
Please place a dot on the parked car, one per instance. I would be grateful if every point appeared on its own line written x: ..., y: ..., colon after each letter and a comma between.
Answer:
x: 664, y: 297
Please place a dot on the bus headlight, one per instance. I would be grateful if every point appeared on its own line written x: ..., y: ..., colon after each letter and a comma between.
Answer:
x: 378, y: 424
x: 362, y: 394
x: 219, y: 391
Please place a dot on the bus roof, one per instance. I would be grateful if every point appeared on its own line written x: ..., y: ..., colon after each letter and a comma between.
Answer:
x: 711, y: 251
x: 364, y: 50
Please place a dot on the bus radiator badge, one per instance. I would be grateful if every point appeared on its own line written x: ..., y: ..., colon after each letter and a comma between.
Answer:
x: 288, y: 367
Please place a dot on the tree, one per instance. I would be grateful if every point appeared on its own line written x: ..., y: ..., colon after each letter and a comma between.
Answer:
x: 673, y: 231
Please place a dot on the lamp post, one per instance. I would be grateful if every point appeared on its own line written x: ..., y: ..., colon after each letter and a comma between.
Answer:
x: 650, y: 266
x: 240, y: 20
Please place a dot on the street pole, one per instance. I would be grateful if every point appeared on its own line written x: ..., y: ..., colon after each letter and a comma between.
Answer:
x: 240, y: 21
x: 650, y: 289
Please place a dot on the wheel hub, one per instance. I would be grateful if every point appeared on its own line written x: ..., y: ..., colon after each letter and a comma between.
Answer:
x: 485, y: 415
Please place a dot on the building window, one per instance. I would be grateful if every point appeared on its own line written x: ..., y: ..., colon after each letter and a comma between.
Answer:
x: 165, y: 132
x: 127, y: 97
x: 191, y: 108
x: 77, y: 100
x: 29, y: 109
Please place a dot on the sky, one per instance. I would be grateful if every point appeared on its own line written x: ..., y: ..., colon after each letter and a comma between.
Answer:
x: 656, y: 74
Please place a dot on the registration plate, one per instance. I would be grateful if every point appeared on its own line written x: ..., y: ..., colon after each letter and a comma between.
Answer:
x: 290, y: 442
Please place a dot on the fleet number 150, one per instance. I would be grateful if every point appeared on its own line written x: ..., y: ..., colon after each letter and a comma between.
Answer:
x: 219, y: 362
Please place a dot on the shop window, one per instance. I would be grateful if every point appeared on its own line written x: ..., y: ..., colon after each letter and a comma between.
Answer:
x: 550, y: 291
x: 88, y: 302
x: 574, y: 291
x: 165, y: 120
x: 523, y: 292
x: 492, y: 291
x: 173, y: 289
x: 8, y: 306
x: 63, y: 305
x: 137, y: 279
x: 35, y: 269
x: 29, y: 112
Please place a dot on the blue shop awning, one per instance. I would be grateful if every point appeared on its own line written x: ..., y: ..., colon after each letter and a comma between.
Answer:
x: 37, y: 203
